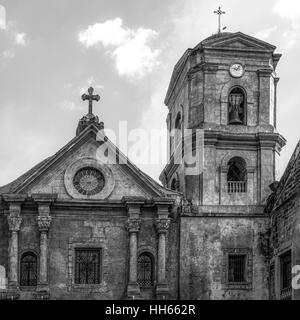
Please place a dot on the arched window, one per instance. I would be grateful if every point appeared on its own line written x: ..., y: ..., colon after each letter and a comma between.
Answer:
x: 145, y: 272
x: 237, y: 106
x: 28, y: 270
x: 178, y: 121
x: 237, y: 175
x: 175, y: 185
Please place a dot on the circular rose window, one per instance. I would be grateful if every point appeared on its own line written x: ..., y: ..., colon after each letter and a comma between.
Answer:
x: 88, y: 181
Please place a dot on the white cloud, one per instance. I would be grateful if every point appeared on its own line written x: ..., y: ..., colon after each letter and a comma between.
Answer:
x: 290, y: 38
x: 153, y: 120
x: 265, y: 34
x: 129, y: 47
x: 67, y: 105
x: 289, y: 9
x: 110, y: 32
x: 2, y: 18
x: 20, y: 38
x: 8, y: 54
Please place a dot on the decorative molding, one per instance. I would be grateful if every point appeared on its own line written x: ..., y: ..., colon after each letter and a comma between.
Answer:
x: 44, y: 223
x: 14, y: 223
x: 133, y: 225
x: 162, y: 225
x: 89, y: 162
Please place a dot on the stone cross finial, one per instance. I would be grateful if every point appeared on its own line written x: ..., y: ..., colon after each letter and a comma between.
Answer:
x: 90, y: 97
x: 219, y: 12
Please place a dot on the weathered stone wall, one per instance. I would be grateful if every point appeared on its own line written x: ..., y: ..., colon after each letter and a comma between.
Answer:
x: 203, y: 240
x: 285, y: 235
x: 92, y: 228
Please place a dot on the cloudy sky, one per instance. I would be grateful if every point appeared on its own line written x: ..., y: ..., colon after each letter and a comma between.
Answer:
x: 50, y: 50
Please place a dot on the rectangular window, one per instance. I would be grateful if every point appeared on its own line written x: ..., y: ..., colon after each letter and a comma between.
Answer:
x: 88, y: 266
x: 286, y: 270
x: 236, y: 268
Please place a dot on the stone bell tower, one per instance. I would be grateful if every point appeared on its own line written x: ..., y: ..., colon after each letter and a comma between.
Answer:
x: 226, y: 87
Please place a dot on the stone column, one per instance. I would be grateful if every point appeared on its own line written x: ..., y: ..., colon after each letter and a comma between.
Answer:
x: 133, y: 226
x: 14, y: 223
x: 162, y: 226
x: 14, y: 220
x: 44, y: 222
x: 43, y: 225
x: 133, y: 206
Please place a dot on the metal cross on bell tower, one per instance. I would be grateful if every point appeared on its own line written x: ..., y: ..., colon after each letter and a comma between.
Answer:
x: 219, y: 12
x: 90, y: 97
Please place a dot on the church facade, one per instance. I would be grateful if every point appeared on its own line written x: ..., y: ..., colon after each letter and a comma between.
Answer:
x: 78, y: 226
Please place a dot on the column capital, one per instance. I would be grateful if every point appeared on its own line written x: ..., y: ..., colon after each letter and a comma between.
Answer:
x: 162, y: 225
x: 44, y: 223
x: 14, y: 223
x: 133, y: 225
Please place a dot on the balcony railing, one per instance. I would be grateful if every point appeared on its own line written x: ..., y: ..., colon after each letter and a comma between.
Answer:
x: 286, y: 294
x: 236, y: 186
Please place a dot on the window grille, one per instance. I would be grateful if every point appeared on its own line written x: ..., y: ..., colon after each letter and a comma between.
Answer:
x: 87, y: 266
x: 28, y: 270
x: 286, y: 276
x: 236, y: 268
x: 145, y: 270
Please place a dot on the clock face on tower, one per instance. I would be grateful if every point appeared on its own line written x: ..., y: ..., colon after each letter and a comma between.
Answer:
x: 88, y: 181
x: 236, y: 70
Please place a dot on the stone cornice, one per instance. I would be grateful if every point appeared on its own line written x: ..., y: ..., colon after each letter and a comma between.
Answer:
x: 265, y: 72
x: 14, y: 198
x: 133, y: 201
x: 162, y: 202
x: 263, y: 139
x: 45, y: 198
x: 207, y: 211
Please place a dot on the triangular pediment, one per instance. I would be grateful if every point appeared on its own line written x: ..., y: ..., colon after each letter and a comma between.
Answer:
x: 235, y: 41
x: 56, y: 174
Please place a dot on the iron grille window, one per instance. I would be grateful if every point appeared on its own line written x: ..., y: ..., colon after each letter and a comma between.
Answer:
x: 236, y: 268
x: 145, y: 270
x: 87, y: 266
x: 286, y: 271
x: 28, y: 270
